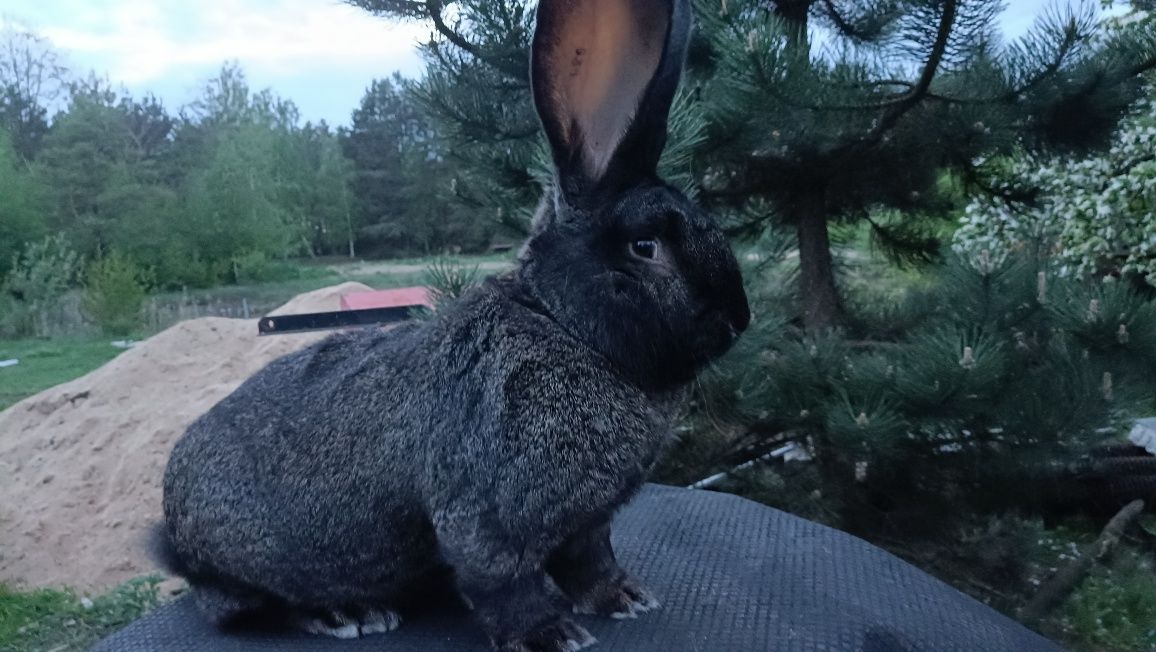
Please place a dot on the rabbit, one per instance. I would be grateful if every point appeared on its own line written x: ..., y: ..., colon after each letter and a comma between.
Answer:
x: 493, y: 442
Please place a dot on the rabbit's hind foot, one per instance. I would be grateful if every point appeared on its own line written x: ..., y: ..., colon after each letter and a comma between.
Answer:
x: 353, y: 622
x: 623, y: 598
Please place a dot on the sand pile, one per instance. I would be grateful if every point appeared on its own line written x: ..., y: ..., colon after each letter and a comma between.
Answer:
x: 81, y: 463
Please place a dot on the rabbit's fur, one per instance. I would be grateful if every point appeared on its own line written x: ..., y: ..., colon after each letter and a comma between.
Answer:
x: 494, y: 441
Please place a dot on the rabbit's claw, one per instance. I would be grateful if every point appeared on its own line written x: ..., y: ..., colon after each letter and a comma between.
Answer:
x: 620, y: 599
x: 379, y: 621
x: 561, y: 635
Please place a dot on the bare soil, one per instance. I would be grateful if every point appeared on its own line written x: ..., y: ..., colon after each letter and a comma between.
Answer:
x: 81, y: 463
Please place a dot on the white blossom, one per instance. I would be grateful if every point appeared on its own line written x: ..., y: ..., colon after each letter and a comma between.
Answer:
x: 1096, y: 214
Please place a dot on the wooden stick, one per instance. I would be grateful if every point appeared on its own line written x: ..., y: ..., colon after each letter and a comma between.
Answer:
x: 1060, y: 586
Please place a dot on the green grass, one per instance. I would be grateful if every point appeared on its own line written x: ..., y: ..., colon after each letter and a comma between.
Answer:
x: 58, y: 621
x: 1114, y: 610
x: 46, y: 363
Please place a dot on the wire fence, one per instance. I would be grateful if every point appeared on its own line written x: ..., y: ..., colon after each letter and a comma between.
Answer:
x: 65, y: 317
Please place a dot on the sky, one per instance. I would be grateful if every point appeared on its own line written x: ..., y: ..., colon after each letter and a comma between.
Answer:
x: 321, y: 54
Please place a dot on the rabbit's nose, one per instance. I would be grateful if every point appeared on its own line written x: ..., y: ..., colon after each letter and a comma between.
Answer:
x: 740, y: 316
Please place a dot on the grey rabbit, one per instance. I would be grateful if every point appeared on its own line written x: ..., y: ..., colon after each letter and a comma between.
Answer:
x: 492, y: 443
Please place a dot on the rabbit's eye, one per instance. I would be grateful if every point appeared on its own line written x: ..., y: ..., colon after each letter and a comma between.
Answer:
x: 647, y: 249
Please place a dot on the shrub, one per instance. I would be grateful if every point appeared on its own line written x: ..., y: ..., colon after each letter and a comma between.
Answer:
x: 1097, y: 214
x: 180, y: 268
x: 114, y: 294
x: 1115, y: 607
x: 40, y: 276
x: 449, y: 279
x: 258, y: 267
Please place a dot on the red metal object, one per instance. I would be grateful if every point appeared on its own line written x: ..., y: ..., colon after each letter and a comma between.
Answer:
x: 415, y: 296
x: 358, y: 309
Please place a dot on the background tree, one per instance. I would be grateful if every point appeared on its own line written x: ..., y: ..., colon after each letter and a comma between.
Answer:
x: 408, y: 179
x: 232, y: 204
x: 330, y: 200
x: 32, y: 79
x: 82, y: 153
x: 225, y: 188
x: 22, y: 207
x: 476, y: 94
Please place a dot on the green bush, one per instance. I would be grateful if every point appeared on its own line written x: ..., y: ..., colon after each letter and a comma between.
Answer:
x: 1115, y: 608
x: 179, y: 268
x: 114, y: 294
x: 449, y: 279
x: 1096, y: 213
x: 258, y: 267
x: 39, y: 277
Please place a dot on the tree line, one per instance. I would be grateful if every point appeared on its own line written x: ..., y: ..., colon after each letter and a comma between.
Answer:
x: 221, y: 190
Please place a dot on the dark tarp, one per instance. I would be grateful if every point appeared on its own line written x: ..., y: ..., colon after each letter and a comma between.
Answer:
x: 732, y: 575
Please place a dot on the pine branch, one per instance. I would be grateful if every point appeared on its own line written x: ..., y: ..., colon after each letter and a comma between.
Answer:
x: 434, y: 11
x: 511, y: 63
x: 904, y: 104
x: 1072, y: 38
x: 844, y: 24
x: 903, y: 246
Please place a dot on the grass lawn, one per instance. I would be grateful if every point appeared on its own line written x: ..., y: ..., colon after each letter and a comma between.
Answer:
x: 59, y: 621
x: 45, y: 363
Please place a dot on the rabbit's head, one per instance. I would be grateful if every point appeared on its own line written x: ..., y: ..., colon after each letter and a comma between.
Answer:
x: 623, y: 260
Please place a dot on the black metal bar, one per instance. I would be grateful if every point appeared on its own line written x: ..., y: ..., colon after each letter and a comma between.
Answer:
x: 321, y: 321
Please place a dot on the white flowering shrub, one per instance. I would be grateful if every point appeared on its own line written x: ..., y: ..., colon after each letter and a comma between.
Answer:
x: 1096, y: 216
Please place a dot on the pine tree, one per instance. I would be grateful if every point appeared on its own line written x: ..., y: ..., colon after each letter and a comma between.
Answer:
x: 816, y: 112
x: 981, y: 392
x: 833, y: 109
x: 802, y: 115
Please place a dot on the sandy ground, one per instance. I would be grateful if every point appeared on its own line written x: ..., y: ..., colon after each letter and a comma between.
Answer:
x: 81, y: 463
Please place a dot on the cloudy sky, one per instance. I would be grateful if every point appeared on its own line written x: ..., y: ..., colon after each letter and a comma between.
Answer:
x: 319, y: 53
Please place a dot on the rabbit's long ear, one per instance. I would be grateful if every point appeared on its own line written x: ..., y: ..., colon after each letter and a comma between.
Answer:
x: 604, y: 74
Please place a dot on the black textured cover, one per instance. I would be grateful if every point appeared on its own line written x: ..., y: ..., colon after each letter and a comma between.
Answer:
x: 732, y: 575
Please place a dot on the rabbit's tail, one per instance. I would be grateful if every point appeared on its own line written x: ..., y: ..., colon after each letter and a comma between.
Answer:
x: 161, y: 551
x: 221, y: 601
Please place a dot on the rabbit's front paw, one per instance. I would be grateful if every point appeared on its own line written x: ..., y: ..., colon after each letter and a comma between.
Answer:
x: 561, y: 635
x: 624, y: 597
